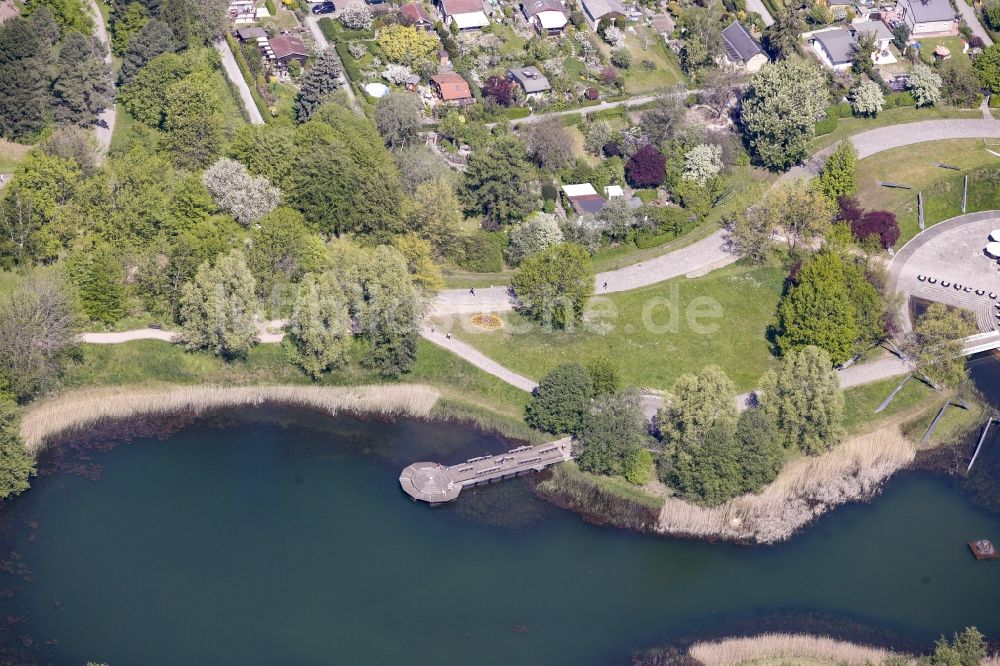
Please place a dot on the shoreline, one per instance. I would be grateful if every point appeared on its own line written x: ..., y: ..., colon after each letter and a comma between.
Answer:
x: 805, y: 489
x: 81, y: 409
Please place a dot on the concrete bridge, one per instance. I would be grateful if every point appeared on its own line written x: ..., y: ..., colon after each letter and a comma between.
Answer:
x: 435, y: 483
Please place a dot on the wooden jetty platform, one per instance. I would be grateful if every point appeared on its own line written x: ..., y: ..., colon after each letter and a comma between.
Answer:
x: 983, y: 550
x: 435, y: 483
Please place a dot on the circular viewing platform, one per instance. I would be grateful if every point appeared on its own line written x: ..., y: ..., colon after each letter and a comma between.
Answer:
x: 429, y: 482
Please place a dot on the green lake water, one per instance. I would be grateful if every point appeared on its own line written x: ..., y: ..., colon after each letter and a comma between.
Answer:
x: 279, y: 537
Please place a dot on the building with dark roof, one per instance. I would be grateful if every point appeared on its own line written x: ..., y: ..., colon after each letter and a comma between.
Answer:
x: 927, y: 18
x: 742, y: 49
x: 835, y: 48
x: 532, y: 81
x: 287, y: 48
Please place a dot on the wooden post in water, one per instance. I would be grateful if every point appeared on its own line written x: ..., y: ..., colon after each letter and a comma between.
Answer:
x: 920, y: 210
x: 965, y: 193
x: 927, y: 435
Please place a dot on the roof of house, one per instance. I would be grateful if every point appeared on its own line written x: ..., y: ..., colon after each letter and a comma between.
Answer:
x: 740, y: 44
x: 925, y: 11
x: 589, y: 203
x: 880, y: 29
x: 415, y: 13
x: 579, y: 190
x: 452, y: 7
x: 551, y: 19
x: 471, y: 20
x: 612, y: 191
x: 250, y: 33
x: 843, y: 3
x: 288, y: 45
x: 530, y: 79
x: 536, y: 7
x: 663, y: 23
x: 412, y: 80
x: 452, y: 86
x: 600, y: 8
x: 839, y: 45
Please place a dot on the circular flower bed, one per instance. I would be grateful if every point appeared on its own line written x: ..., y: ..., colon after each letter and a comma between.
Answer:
x: 490, y: 322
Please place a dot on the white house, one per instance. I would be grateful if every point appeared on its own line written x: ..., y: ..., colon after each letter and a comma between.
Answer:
x: 466, y: 14
x: 834, y: 47
x: 547, y: 16
x: 927, y: 18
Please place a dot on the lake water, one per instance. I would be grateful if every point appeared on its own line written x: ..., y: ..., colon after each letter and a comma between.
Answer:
x: 280, y: 537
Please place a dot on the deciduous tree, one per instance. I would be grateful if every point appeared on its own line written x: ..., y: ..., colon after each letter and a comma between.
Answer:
x: 404, y: 43
x: 16, y: 465
x: 235, y: 191
x: 218, y: 307
x: 781, y: 105
x: 397, y: 116
x: 839, y: 177
x: 554, y: 285
x: 561, y: 399
x: 319, y: 329
x: 934, y: 345
x: 530, y: 237
x: 192, y: 122
x: 38, y: 332
x: 804, y: 399
x: 646, y: 168
x: 614, y: 437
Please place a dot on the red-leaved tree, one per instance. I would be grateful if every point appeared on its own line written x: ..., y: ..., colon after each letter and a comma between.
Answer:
x: 647, y: 168
x: 499, y: 89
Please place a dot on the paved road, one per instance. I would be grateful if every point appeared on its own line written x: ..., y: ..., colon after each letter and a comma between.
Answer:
x: 969, y: 16
x: 235, y: 76
x: 323, y: 44
x: 694, y: 260
x: 897, y: 136
x: 587, y: 110
x: 109, y: 115
x: 758, y: 6
x: 477, y: 358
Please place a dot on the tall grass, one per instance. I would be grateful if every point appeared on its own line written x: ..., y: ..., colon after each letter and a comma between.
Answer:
x: 806, y: 488
x: 729, y: 651
x: 85, y: 408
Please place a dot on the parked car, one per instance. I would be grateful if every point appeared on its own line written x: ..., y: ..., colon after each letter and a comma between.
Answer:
x: 324, y: 8
x: 374, y: 2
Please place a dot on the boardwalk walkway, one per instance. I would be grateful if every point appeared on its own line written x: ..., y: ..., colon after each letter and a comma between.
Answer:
x: 434, y: 483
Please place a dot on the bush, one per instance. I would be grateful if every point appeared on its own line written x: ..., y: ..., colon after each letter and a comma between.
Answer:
x: 899, y: 99
x: 842, y: 110
x: 481, y: 252
x: 561, y: 399
x: 826, y: 126
x: 270, y: 7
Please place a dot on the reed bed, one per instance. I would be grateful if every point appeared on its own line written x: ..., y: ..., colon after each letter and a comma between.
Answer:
x: 731, y: 651
x: 806, y: 488
x: 82, y: 409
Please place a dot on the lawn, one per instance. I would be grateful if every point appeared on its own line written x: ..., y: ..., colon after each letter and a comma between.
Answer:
x: 654, y: 334
x: 149, y: 361
x: 953, y: 44
x: 640, y: 79
x: 11, y: 155
x: 862, y: 401
x: 942, y: 188
x: 906, y: 114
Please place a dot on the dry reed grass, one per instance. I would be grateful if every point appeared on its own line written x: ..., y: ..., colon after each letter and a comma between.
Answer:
x: 85, y: 408
x: 806, y: 488
x: 730, y: 651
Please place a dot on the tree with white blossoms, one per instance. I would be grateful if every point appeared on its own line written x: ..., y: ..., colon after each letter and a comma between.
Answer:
x: 599, y: 133
x: 234, y: 190
x: 218, y: 307
x: 356, y: 16
x: 320, y: 326
x: 867, y: 98
x: 614, y: 36
x: 702, y: 163
x: 586, y: 46
x: 396, y: 74
x: 925, y: 85
x: 357, y: 50
x: 532, y: 236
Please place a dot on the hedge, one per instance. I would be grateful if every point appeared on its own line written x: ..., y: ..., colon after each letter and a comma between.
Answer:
x: 271, y: 9
x: 517, y: 112
x: 482, y: 252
